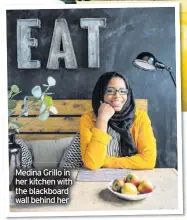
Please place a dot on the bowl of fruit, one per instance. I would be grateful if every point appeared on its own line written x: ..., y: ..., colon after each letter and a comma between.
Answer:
x: 131, y: 187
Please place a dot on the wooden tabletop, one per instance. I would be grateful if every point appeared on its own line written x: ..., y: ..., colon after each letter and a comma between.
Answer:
x: 94, y: 196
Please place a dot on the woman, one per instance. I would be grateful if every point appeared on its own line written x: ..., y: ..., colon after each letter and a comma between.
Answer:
x: 116, y: 134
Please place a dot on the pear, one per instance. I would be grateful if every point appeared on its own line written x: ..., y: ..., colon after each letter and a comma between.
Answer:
x: 129, y: 188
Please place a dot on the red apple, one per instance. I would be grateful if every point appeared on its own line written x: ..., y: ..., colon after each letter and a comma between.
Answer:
x: 133, y: 178
x: 145, y: 187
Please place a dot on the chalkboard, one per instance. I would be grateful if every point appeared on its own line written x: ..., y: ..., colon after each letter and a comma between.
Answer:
x: 128, y: 32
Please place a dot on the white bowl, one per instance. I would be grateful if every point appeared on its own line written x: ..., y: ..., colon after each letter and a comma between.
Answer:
x: 128, y: 196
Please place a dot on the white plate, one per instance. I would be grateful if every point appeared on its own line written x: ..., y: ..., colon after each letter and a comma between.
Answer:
x: 128, y: 196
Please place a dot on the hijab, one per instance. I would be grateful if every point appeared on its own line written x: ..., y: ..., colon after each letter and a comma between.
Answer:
x: 122, y: 120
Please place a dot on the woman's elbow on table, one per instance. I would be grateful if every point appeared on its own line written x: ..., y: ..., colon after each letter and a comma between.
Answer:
x: 92, y: 166
x: 149, y: 164
x: 92, y: 163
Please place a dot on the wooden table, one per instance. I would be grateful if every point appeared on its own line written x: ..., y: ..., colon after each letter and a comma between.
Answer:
x: 94, y: 196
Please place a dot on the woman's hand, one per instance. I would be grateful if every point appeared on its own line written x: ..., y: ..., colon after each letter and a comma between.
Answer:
x: 105, y: 112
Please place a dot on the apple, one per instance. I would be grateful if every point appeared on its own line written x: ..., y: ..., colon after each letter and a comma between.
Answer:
x: 133, y: 178
x: 117, y: 184
x: 145, y: 187
x: 129, y: 188
x: 124, y: 179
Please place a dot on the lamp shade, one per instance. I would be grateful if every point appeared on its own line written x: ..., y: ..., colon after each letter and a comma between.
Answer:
x: 145, y: 61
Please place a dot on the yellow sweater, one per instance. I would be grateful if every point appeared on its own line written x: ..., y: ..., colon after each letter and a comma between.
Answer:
x: 94, y: 144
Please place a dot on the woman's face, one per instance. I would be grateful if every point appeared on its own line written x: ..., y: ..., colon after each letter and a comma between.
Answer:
x: 116, y: 98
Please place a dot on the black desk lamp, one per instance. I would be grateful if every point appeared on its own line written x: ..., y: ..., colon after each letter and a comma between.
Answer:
x: 147, y: 61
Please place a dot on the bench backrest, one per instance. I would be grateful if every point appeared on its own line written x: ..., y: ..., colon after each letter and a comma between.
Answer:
x: 64, y: 124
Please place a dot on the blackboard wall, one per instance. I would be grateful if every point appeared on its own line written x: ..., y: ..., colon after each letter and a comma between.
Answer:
x: 128, y: 32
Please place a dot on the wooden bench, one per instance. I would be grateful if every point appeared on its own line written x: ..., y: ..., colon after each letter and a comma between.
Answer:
x: 64, y: 124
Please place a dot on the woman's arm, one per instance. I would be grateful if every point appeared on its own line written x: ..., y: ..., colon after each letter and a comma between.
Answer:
x: 93, y: 143
x: 146, y: 145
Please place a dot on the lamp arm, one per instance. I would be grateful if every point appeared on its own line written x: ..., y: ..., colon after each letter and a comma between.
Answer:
x: 169, y: 70
x: 160, y: 65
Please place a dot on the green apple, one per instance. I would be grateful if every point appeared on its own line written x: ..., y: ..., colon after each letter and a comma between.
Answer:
x: 117, y: 184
